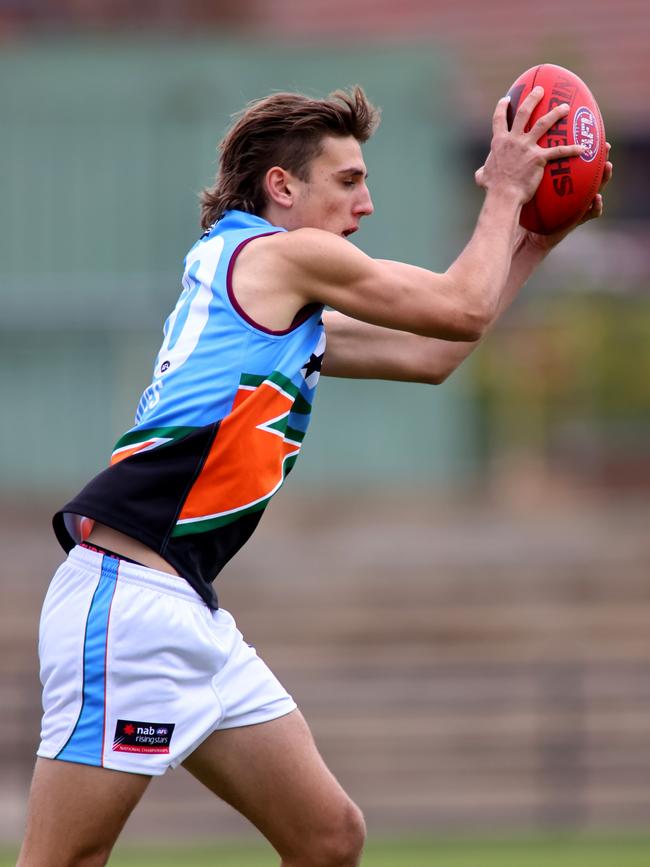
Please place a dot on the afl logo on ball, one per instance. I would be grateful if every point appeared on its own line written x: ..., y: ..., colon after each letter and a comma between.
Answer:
x: 585, y: 132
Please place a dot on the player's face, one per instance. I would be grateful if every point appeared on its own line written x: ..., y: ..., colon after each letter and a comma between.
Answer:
x: 335, y: 197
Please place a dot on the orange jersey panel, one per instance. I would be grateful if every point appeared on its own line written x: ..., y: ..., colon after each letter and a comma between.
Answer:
x: 246, y: 461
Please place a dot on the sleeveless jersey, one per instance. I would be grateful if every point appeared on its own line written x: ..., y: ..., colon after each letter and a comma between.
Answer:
x: 219, y: 427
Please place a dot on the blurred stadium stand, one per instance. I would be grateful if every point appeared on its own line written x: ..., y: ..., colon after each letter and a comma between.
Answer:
x: 464, y: 670
x: 470, y: 659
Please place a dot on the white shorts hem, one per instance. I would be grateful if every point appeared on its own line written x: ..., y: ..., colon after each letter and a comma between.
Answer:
x: 258, y: 717
x: 147, y: 770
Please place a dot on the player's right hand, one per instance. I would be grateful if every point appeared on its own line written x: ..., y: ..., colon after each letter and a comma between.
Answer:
x: 593, y: 212
x: 516, y: 162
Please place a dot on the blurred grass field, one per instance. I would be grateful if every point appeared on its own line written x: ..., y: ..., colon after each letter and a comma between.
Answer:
x: 524, y: 852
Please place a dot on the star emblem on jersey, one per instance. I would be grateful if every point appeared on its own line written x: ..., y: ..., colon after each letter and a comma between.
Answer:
x: 311, y: 370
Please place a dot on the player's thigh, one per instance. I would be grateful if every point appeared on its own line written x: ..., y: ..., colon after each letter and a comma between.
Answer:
x: 274, y: 775
x: 76, y: 812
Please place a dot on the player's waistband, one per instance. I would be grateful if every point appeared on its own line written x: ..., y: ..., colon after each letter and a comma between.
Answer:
x: 135, y: 573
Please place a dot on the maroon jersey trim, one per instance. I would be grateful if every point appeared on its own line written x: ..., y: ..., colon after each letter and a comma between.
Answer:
x: 300, y: 317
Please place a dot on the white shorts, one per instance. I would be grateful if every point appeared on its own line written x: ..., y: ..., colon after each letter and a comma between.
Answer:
x: 137, y: 671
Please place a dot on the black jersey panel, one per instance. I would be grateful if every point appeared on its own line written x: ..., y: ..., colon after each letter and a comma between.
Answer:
x: 141, y: 494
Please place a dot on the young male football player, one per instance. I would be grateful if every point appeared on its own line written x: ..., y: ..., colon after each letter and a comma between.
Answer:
x: 141, y: 668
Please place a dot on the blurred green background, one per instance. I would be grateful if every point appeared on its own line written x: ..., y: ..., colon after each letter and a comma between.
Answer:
x: 629, y: 852
x: 455, y: 584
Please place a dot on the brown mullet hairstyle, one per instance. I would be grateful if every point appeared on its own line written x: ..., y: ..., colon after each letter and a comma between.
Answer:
x: 284, y: 129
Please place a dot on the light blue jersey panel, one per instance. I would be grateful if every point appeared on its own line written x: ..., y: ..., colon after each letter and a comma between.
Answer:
x: 219, y: 427
x: 206, y: 341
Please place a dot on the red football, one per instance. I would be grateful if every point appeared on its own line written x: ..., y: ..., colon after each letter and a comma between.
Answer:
x: 568, y: 185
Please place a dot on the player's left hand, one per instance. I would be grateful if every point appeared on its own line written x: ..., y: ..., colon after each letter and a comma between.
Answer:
x: 593, y: 212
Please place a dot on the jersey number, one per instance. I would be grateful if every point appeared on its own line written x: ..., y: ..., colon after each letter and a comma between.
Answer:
x: 188, y: 319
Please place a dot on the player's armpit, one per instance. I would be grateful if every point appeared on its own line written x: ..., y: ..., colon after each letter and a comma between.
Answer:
x: 359, y: 350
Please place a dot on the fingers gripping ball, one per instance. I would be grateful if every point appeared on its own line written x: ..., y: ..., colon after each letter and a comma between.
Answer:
x: 568, y: 185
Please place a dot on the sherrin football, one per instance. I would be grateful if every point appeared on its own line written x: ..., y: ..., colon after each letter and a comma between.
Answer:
x: 568, y: 185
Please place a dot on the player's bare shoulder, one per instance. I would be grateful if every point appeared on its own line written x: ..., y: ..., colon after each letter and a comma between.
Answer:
x: 274, y: 276
x: 304, y: 247
x: 302, y: 262
x: 281, y: 250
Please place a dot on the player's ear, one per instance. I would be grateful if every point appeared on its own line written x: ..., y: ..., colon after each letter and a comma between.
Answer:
x: 278, y: 185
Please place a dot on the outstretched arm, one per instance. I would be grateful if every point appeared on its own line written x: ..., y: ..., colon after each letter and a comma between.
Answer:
x: 359, y: 350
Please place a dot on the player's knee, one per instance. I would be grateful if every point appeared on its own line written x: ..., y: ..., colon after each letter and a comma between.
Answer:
x: 354, y: 836
x: 340, y: 843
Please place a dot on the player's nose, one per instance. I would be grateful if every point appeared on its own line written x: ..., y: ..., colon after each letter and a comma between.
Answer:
x: 365, y: 206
